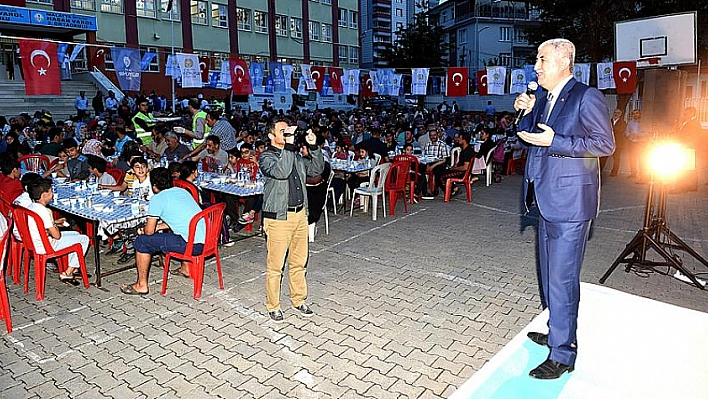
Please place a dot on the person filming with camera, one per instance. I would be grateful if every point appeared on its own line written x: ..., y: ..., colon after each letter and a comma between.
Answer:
x: 285, y: 213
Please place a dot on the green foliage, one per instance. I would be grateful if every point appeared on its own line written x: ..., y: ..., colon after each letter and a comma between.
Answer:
x: 590, y: 24
x: 420, y: 45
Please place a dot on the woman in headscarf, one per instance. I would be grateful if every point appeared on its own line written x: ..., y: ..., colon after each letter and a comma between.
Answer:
x: 93, y: 147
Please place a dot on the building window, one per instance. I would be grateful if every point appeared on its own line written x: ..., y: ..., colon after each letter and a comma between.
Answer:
x: 505, y: 34
x: 326, y: 1
x: 353, y: 19
x: 399, y: 26
x: 219, y: 15
x: 399, y: 12
x: 314, y: 30
x: 243, y: 16
x: 327, y: 33
x: 354, y: 55
x: 462, y: 36
x: 198, y: 9
x: 343, y: 53
x: 174, y: 14
x: 296, y: 27
x: 342, y: 17
x: 260, y: 21
x: 146, y: 8
x: 219, y: 58
x: 281, y: 25
x: 41, y: 1
x: 83, y: 4
x: 155, y: 63
x: 112, y: 6
x: 108, y: 60
x: 505, y: 59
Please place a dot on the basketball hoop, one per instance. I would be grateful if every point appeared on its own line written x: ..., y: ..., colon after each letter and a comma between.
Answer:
x: 650, y: 61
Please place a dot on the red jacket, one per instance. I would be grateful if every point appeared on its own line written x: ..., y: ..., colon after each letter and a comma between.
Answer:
x: 10, y: 189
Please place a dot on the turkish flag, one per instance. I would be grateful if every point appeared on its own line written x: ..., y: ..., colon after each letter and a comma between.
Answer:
x: 457, y: 82
x: 240, y: 77
x: 41, y: 74
x: 482, y: 82
x: 318, y: 74
x: 367, y: 89
x: 98, y: 59
x: 335, y: 80
x: 204, y: 65
x: 625, y: 74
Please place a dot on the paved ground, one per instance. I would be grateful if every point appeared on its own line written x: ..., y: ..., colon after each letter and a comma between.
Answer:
x: 408, y: 306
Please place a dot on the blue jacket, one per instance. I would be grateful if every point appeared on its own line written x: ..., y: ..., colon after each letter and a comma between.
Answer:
x: 566, y: 175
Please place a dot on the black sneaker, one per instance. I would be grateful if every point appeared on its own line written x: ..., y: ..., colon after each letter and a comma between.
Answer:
x: 304, y: 310
x: 277, y: 316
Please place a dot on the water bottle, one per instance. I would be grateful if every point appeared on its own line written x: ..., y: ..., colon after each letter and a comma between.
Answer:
x: 55, y: 197
x: 163, y: 161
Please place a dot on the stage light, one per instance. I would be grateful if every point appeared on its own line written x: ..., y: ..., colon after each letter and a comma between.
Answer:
x: 668, y: 159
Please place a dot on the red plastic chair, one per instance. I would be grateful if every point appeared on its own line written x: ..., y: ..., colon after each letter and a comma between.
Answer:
x: 189, y: 187
x: 212, y: 217
x: 35, y: 162
x: 414, y: 165
x: 16, y: 248
x: 22, y: 216
x: 4, y: 301
x: 118, y: 174
x: 395, y: 187
x: 467, y: 179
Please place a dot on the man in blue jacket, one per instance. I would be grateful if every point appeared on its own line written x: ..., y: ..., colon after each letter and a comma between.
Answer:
x: 285, y: 214
x: 567, y: 127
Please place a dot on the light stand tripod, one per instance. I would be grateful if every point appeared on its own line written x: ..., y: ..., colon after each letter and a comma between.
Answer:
x: 656, y: 235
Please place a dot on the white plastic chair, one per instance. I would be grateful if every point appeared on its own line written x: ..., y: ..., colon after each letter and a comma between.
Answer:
x: 374, y: 188
x: 377, y: 158
x: 330, y: 189
x: 455, y: 156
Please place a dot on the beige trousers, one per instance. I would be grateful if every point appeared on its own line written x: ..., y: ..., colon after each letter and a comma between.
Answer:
x: 286, y: 237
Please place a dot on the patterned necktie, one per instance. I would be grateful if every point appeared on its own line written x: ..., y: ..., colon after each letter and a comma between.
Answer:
x: 547, y: 109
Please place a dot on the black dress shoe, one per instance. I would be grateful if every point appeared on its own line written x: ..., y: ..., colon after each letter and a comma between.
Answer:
x: 550, y: 370
x: 538, y: 338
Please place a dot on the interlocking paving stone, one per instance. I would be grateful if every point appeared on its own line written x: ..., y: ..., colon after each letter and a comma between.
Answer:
x: 399, y: 313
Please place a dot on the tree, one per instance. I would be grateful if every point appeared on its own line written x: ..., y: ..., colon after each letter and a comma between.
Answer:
x: 590, y: 25
x: 419, y: 45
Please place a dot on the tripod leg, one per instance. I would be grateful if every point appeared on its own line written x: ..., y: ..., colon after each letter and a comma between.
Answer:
x: 685, y: 247
x: 635, y: 245
x: 673, y: 262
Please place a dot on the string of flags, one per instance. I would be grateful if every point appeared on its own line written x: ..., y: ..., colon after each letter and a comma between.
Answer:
x: 43, y: 60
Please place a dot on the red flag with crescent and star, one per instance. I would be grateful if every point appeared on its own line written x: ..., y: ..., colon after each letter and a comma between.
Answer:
x: 367, y: 89
x: 482, y: 82
x: 98, y: 59
x: 41, y: 74
x: 335, y: 80
x: 240, y: 77
x: 318, y: 74
x: 204, y: 65
x: 457, y: 82
x: 625, y: 74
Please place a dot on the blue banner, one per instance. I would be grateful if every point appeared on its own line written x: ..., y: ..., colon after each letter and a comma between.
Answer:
x: 530, y: 74
x: 61, y: 51
x: 127, y: 65
x: 326, y: 86
x: 147, y: 59
x: 256, y: 75
x: 214, y: 79
x: 28, y: 16
x: 269, y: 87
x: 276, y: 72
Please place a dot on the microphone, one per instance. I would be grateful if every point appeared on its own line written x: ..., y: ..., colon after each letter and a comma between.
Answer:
x: 530, y: 89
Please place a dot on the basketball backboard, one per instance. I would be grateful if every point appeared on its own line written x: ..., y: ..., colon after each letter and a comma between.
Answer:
x: 666, y: 40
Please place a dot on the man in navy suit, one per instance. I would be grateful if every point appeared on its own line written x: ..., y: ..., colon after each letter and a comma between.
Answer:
x: 567, y: 127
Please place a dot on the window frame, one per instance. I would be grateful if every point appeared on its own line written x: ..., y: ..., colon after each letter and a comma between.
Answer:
x: 353, y: 19
x: 248, y: 13
x: 325, y: 38
x: 315, y: 30
x: 281, y: 25
x: 109, y: 6
x: 174, y: 14
x: 144, y: 11
x: 294, y: 32
x: 154, y: 66
x: 217, y: 22
x: 354, y: 50
x: 343, y: 51
x: 343, y: 22
x: 260, y: 28
x: 506, y: 34
x: 89, y: 5
x: 195, y: 18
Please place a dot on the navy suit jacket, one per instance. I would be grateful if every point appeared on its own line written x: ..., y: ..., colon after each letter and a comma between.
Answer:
x: 566, y: 175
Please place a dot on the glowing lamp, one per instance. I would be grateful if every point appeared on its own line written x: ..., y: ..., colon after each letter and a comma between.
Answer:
x: 668, y: 159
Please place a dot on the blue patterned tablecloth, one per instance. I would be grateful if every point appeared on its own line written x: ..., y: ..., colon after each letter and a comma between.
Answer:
x: 351, y: 167
x: 211, y: 181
